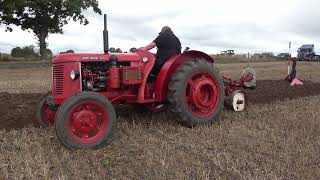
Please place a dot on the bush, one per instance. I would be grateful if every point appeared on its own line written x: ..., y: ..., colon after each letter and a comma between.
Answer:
x: 26, y: 52
x: 5, y: 59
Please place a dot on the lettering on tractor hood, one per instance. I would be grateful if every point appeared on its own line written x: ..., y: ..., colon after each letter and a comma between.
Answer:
x: 61, y: 58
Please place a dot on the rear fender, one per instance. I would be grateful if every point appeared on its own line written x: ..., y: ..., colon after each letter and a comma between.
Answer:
x: 171, y: 66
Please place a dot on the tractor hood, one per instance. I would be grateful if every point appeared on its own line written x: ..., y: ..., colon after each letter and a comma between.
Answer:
x: 72, y: 57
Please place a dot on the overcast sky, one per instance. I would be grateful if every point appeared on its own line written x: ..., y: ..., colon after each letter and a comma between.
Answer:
x: 207, y: 25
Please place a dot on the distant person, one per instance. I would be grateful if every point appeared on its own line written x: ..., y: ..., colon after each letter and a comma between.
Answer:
x: 292, y: 70
x: 167, y: 44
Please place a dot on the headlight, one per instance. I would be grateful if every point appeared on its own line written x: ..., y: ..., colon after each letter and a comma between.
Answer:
x: 74, y: 74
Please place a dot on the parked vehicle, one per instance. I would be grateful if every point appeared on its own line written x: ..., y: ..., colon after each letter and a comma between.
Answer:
x: 306, y: 53
x: 284, y: 55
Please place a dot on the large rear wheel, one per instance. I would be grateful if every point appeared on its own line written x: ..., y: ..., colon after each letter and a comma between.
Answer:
x: 196, y: 93
x: 85, y: 121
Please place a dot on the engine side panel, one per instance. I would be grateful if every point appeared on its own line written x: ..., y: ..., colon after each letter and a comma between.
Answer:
x: 124, y: 81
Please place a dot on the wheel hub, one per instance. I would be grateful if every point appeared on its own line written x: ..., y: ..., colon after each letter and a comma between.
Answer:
x: 238, y: 101
x: 203, y: 93
x: 85, y: 121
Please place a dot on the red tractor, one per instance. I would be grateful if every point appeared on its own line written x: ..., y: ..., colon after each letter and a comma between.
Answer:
x: 85, y: 87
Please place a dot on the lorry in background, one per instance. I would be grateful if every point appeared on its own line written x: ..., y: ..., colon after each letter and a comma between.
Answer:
x: 306, y: 53
x: 227, y: 53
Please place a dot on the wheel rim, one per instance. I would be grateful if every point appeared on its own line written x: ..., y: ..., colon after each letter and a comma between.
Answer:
x: 238, y: 101
x: 202, y: 94
x: 48, y: 115
x: 87, y: 122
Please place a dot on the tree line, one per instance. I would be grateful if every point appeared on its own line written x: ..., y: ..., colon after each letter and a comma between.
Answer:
x: 29, y: 52
x: 118, y: 50
x: 44, y: 17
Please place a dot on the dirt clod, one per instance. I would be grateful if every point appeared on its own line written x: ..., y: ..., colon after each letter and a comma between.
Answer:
x: 17, y: 110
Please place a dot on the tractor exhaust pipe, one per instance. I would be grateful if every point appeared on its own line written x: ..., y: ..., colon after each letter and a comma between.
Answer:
x: 105, y: 36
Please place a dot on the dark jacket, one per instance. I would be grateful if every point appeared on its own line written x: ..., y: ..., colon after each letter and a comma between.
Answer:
x: 168, y: 45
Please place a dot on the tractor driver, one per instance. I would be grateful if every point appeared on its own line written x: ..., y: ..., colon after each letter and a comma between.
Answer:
x: 167, y: 45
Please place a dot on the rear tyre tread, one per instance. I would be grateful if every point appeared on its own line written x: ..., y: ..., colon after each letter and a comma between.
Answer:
x: 176, y: 87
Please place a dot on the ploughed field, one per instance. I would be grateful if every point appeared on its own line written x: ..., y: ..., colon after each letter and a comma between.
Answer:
x: 276, y: 137
x: 17, y: 109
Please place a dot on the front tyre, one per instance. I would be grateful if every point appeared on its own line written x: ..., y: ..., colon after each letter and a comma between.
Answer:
x: 196, y: 93
x: 44, y: 115
x: 85, y: 121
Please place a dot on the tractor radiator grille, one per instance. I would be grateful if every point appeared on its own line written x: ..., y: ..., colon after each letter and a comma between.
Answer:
x: 57, y: 79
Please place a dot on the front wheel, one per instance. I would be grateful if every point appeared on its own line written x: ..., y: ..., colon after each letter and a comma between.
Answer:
x: 85, y: 121
x: 196, y: 93
x: 44, y: 115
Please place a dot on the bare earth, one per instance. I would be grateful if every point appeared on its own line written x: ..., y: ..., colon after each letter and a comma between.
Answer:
x: 276, y: 137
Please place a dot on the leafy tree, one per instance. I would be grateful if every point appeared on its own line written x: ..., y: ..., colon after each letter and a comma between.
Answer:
x: 132, y: 49
x: 16, y: 52
x: 112, y: 49
x: 70, y: 51
x: 118, y: 50
x: 115, y: 50
x: 48, y: 54
x: 27, y: 51
x: 44, y: 17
